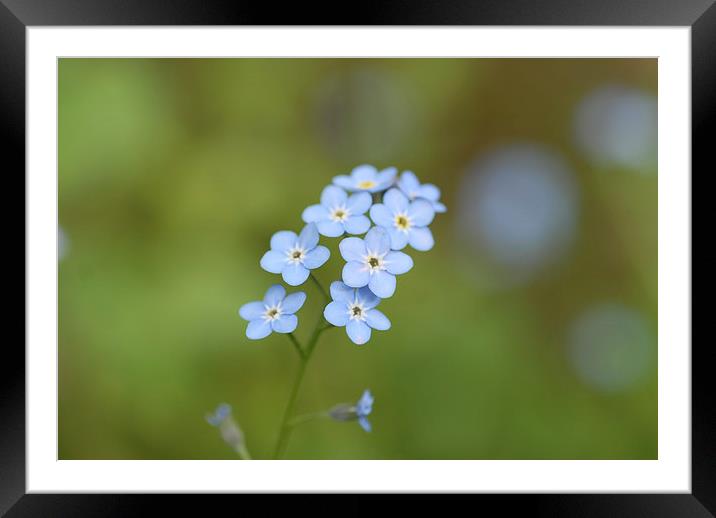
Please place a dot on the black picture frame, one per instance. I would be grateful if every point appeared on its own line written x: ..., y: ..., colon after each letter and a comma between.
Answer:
x: 700, y: 15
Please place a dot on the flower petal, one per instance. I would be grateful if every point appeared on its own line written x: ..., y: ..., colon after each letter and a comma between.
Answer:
x: 330, y: 228
x: 314, y: 213
x: 377, y: 241
x: 258, y: 329
x: 336, y: 313
x: 381, y: 215
x: 344, y: 181
x: 365, y: 424
x: 308, y: 238
x: 382, y: 284
x: 357, y: 224
x: 273, y: 261
x: 367, y: 297
x: 274, y: 295
x: 398, y: 263
x: 377, y: 320
x: 409, y: 184
x: 285, y: 324
x: 342, y: 293
x: 293, y: 302
x: 396, y: 201
x: 429, y: 192
x: 333, y: 196
x: 421, y: 213
x: 295, y: 274
x: 355, y: 274
x: 386, y: 176
x: 252, y: 310
x: 364, y: 406
x: 439, y: 207
x: 358, y: 331
x: 316, y: 257
x: 352, y: 248
x: 283, y: 240
x: 398, y: 239
x: 421, y: 238
x: 359, y: 203
x: 364, y: 172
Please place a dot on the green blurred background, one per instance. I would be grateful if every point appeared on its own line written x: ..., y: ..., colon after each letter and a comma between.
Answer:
x: 528, y: 332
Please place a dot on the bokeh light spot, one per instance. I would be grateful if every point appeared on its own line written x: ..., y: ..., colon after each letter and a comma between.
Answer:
x: 611, y: 347
x: 519, y: 207
x: 616, y: 126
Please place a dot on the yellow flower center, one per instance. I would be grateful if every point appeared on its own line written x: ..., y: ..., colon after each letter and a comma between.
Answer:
x: 339, y: 213
x: 366, y: 184
x: 402, y: 222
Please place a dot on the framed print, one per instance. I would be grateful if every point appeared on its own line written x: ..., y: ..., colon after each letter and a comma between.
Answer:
x: 434, y: 251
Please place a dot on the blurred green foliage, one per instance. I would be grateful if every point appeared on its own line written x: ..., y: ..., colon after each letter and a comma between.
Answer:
x: 174, y: 173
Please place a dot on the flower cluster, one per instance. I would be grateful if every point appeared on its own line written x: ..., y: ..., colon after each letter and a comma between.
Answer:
x: 400, y: 209
x: 390, y: 212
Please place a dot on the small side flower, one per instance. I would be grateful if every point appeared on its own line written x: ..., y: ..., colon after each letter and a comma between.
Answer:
x: 274, y: 313
x: 355, y: 309
x: 229, y: 429
x: 360, y: 411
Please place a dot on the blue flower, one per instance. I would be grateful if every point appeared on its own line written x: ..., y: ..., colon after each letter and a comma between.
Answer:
x: 366, y: 178
x: 360, y: 411
x: 405, y: 221
x: 221, y: 414
x: 371, y: 262
x: 363, y: 409
x: 338, y: 213
x: 274, y: 313
x: 293, y: 256
x: 355, y: 309
x: 413, y: 189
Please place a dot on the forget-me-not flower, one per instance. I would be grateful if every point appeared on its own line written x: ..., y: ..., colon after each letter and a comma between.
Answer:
x: 371, y: 262
x: 360, y: 411
x: 274, y: 313
x: 338, y: 213
x: 355, y: 309
x: 229, y: 429
x: 294, y: 256
x: 363, y: 409
x: 405, y: 221
x: 222, y: 412
x: 413, y: 189
x: 366, y: 178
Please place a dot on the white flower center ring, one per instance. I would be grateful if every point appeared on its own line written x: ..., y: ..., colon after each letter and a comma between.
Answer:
x: 272, y: 313
x: 295, y: 255
x: 339, y: 213
x: 402, y: 222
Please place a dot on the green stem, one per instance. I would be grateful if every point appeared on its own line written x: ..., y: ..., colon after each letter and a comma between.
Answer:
x: 295, y: 343
x: 285, y: 430
x: 307, y: 417
x: 320, y: 287
x: 304, y: 355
